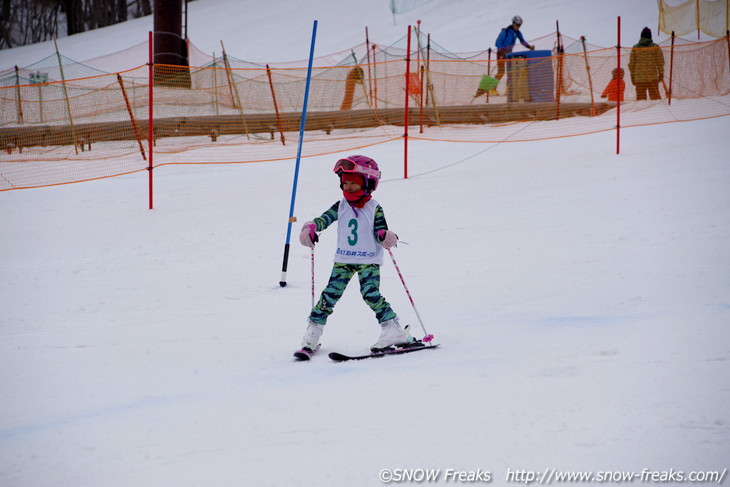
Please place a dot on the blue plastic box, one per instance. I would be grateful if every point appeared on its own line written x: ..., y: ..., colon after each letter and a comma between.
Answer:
x: 530, y: 76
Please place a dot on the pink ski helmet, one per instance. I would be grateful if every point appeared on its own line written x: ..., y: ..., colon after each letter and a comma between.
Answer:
x: 362, y: 165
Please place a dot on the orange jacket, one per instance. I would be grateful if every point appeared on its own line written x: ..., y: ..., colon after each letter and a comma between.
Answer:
x: 614, y: 90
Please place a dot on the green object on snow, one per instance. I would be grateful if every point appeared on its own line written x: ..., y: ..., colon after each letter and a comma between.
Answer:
x: 488, y: 83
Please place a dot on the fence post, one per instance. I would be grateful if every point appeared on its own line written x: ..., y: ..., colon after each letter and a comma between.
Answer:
x: 228, y: 74
x: 559, y: 80
x: 40, y: 103
x: 234, y: 91
x: 429, y: 85
x: 65, y: 95
x: 697, y: 16
x: 489, y: 66
x: 276, y: 107
x: 367, y: 54
x: 20, y: 98
x: 671, y: 72
x: 727, y: 37
x: 419, y: 67
x: 618, y: 103
x: 215, y: 83
x: 150, y: 121
x: 405, y: 115
x: 131, y: 116
x: 588, y: 70
x: 375, y: 79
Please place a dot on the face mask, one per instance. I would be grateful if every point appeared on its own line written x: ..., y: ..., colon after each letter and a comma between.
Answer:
x: 353, y: 196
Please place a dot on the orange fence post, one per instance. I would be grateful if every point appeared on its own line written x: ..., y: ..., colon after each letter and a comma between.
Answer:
x: 276, y: 107
x: 131, y: 116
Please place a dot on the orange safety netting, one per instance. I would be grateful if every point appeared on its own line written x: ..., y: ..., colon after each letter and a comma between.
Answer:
x: 709, y: 16
x: 94, y: 127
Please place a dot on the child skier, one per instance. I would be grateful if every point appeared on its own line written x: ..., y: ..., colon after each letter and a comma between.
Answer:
x: 362, y: 233
x: 615, y: 88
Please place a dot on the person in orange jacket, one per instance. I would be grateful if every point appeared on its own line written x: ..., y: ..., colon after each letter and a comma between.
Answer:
x: 615, y: 88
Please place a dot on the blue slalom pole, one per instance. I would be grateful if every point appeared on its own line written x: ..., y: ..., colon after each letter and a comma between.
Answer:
x: 282, y: 282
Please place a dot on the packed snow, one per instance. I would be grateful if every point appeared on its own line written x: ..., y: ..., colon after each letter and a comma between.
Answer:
x: 581, y: 298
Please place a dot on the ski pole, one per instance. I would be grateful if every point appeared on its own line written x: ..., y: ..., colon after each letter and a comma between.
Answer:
x: 427, y: 338
x: 312, y: 277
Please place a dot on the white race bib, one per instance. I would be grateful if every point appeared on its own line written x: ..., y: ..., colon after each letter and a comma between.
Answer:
x: 356, y: 243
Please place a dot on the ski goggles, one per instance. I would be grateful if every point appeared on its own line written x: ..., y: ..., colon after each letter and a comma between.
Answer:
x: 346, y: 165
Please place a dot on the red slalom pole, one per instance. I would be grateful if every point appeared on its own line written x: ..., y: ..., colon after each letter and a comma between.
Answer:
x: 150, y: 123
x: 618, y: 103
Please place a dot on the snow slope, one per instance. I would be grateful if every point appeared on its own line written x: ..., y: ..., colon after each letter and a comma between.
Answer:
x: 582, y: 300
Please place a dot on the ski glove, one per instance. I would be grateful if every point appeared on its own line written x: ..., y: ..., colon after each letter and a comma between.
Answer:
x: 532, y: 47
x: 308, y: 236
x: 387, y: 239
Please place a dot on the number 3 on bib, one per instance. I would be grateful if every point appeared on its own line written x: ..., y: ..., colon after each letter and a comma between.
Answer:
x: 352, y: 240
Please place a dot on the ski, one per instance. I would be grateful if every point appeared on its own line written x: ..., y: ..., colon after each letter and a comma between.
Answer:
x: 305, y: 354
x: 340, y: 357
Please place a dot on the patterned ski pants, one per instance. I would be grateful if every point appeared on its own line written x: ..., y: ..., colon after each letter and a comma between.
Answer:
x: 369, y: 276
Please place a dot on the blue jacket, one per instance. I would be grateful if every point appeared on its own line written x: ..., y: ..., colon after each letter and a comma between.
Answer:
x: 507, y: 39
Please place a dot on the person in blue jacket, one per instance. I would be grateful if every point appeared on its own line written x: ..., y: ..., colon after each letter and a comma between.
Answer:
x: 506, y: 42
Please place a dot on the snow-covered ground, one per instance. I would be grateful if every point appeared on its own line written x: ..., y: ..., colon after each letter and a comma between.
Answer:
x: 582, y: 300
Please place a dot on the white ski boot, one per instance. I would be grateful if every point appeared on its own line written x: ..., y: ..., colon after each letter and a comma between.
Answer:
x: 391, y: 335
x: 311, y: 336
